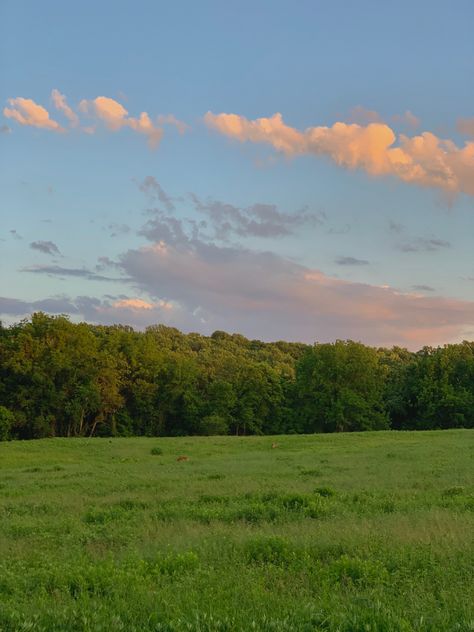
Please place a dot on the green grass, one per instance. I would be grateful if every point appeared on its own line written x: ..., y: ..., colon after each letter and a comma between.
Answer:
x: 349, y: 532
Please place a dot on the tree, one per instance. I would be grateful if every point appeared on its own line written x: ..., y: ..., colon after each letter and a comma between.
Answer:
x: 339, y: 388
x: 7, y: 421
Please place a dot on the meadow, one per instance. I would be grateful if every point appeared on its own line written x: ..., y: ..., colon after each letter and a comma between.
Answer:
x: 337, y: 532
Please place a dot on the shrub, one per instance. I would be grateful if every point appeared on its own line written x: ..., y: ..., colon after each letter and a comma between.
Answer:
x: 268, y: 550
x: 156, y: 451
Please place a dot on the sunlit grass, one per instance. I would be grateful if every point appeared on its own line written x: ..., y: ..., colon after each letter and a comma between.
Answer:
x: 348, y: 532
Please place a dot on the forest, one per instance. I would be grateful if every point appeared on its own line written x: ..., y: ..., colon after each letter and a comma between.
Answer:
x: 58, y: 378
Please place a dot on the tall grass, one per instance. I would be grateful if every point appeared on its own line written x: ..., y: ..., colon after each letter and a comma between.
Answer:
x: 353, y: 532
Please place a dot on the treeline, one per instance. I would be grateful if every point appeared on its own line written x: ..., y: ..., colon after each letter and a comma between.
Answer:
x: 58, y: 378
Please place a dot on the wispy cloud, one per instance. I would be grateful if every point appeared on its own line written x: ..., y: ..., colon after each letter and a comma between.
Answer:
x: 421, y: 244
x: 47, y: 247
x: 155, y: 193
x: 59, y: 271
x: 257, y: 220
x: 61, y: 104
x: 170, y: 119
x: 351, y: 261
x: 407, y: 120
x: 217, y: 220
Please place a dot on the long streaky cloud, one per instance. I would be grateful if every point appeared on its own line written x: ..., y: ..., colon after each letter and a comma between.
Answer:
x: 424, y: 160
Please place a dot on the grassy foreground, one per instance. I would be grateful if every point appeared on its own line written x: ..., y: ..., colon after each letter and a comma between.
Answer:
x: 349, y: 532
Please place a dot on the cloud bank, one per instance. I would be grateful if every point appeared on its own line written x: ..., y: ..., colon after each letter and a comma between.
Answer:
x: 191, y: 275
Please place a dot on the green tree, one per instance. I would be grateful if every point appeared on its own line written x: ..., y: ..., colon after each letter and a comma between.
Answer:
x: 339, y: 387
x: 7, y: 421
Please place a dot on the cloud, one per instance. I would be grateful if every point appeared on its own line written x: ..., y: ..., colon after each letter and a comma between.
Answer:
x: 15, y: 234
x: 170, y: 119
x: 351, y: 261
x: 18, y: 307
x: 132, y: 311
x: 363, y: 116
x: 139, y: 304
x: 115, y: 117
x: 165, y: 228
x: 59, y: 271
x: 220, y: 220
x: 48, y: 247
x: 424, y: 160
x: 200, y: 286
x: 4, y: 129
x: 267, y: 296
x: 133, y: 303
x: 27, y: 112
x: 423, y: 288
x: 421, y: 244
x: 154, y: 192
x: 408, y: 120
x: 106, y: 110
x: 466, y: 126
x: 128, y: 310
x: 60, y: 103
x: 258, y: 220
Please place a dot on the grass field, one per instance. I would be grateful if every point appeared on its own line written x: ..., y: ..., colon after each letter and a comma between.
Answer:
x: 350, y: 532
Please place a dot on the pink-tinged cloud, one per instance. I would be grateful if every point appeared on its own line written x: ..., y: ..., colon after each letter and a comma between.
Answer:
x: 263, y: 295
x: 115, y: 117
x: 424, y: 160
x: 140, y: 304
x: 60, y: 103
x: 27, y: 112
x: 130, y: 311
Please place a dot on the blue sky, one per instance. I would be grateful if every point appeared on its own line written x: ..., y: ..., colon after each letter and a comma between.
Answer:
x: 350, y: 217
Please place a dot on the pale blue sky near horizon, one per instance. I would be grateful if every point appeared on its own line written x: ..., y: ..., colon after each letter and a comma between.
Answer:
x: 314, y: 62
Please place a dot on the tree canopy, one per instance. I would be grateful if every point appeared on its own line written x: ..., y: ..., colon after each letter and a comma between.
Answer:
x: 58, y: 378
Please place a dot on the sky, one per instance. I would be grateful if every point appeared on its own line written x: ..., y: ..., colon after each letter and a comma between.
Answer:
x: 298, y: 171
